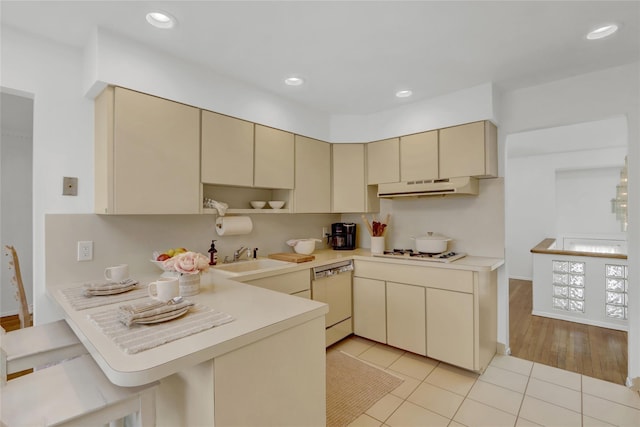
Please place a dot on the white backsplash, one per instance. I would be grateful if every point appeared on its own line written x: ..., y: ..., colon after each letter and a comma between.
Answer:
x: 475, y: 223
x: 131, y: 239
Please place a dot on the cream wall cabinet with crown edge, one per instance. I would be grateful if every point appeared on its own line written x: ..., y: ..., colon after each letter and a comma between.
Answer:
x: 383, y: 161
x: 419, y: 156
x: 227, y: 150
x: 312, y: 192
x: 147, y: 154
x: 446, y: 314
x: 469, y: 150
x: 349, y: 191
x: 273, y: 158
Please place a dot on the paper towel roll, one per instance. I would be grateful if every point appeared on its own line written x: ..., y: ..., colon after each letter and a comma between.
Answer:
x: 232, y: 225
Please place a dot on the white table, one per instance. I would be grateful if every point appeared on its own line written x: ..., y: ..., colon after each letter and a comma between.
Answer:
x: 265, y: 367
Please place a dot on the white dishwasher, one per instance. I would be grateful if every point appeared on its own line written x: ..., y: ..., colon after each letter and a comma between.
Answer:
x: 331, y: 284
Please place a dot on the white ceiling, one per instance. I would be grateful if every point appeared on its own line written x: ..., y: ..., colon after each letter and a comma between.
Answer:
x: 355, y: 55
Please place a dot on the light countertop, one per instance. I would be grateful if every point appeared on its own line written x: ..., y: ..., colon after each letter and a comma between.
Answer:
x: 258, y: 313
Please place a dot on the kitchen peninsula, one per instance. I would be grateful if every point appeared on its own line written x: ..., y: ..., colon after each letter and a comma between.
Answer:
x: 266, y: 367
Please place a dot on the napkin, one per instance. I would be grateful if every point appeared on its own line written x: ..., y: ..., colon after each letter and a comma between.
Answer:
x: 108, y: 288
x: 150, y: 311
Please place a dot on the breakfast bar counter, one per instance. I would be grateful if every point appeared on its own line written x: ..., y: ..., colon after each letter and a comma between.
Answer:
x: 267, y: 366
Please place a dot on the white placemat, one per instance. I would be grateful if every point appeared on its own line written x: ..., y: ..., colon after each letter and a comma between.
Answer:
x: 79, y: 301
x: 137, y: 338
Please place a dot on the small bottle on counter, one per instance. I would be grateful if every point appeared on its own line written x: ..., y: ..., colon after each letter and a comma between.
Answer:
x: 213, y: 253
x: 255, y: 253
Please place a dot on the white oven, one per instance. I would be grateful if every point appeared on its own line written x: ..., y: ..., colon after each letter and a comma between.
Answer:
x: 331, y: 284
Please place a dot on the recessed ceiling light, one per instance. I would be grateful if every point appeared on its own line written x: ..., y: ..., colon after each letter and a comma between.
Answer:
x: 294, y: 81
x: 404, y: 93
x: 602, y: 32
x: 161, y: 19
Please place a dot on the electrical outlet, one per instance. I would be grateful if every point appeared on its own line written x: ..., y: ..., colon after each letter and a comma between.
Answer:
x: 325, y: 232
x: 85, y: 250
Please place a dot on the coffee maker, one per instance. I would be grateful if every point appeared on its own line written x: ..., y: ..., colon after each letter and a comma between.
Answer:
x: 343, y: 236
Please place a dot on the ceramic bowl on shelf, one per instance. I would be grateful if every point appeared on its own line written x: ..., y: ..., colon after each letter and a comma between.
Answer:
x: 276, y: 204
x: 257, y: 204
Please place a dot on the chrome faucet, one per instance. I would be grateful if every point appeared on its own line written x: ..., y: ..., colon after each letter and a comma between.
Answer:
x: 237, y: 254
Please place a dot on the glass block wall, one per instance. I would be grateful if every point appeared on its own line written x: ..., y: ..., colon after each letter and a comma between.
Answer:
x: 616, y: 287
x: 568, y: 285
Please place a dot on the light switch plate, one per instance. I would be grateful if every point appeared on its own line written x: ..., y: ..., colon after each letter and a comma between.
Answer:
x: 69, y: 186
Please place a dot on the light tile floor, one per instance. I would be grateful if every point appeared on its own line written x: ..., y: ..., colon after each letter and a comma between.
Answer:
x: 511, y: 392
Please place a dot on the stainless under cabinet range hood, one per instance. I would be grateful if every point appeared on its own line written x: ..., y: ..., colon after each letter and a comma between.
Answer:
x: 463, y: 186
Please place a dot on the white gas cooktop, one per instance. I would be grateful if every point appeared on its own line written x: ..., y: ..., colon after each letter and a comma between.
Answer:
x: 409, y: 254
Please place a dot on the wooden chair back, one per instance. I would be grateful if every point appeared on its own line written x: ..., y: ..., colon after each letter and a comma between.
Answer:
x: 14, y: 264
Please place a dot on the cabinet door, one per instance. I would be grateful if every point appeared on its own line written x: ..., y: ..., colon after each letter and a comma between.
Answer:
x: 419, y: 156
x: 227, y: 150
x: 156, y: 155
x: 406, y: 324
x: 468, y: 150
x: 369, y: 318
x: 287, y: 283
x: 348, y: 187
x: 450, y: 327
x: 274, y: 157
x: 313, y: 176
x: 383, y: 161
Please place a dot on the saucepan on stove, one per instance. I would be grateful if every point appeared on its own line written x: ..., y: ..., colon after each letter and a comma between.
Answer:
x: 432, y: 243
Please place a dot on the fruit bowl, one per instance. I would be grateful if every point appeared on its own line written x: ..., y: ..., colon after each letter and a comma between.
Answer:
x: 168, y: 272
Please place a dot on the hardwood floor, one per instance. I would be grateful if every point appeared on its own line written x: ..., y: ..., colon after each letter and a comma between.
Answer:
x: 589, y: 350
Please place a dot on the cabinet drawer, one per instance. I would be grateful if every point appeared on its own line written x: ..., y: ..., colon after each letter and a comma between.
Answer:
x: 452, y: 280
x: 289, y: 283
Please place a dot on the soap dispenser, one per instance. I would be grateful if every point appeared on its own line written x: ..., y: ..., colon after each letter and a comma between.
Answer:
x: 213, y: 253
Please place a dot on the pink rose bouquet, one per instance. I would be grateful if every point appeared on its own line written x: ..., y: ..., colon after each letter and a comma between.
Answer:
x: 188, y: 263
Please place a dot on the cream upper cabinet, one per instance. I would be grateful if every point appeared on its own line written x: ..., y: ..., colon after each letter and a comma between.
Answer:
x: 147, y: 154
x: 349, y: 191
x: 469, y: 150
x: 274, y: 158
x: 419, y: 156
x: 227, y: 150
x: 383, y: 161
x: 312, y: 176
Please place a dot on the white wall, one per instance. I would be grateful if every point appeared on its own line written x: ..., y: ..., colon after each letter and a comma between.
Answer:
x: 584, y: 98
x: 16, y: 204
x: 464, y: 106
x: 532, y: 205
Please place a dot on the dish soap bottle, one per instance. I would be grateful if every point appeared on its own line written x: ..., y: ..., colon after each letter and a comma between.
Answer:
x: 213, y: 253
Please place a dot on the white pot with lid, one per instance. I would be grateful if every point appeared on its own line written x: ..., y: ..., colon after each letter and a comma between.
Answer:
x: 432, y: 243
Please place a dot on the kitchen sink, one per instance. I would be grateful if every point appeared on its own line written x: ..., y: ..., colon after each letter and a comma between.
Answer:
x: 251, y: 266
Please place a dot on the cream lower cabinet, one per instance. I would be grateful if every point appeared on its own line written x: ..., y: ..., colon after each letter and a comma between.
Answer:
x: 296, y: 283
x: 452, y: 340
x: 406, y: 313
x: 147, y: 154
x: 446, y: 314
x: 369, y: 309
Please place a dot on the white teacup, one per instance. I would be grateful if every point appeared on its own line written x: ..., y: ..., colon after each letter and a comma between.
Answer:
x: 164, y: 289
x: 117, y: 273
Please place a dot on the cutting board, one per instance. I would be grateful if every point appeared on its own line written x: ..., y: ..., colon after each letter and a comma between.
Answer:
x: 290, y: 257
